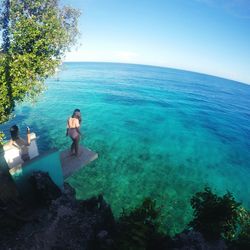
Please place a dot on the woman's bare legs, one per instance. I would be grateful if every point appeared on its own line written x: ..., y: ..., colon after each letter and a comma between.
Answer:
x: 72, y: 148
x: 76, y: 144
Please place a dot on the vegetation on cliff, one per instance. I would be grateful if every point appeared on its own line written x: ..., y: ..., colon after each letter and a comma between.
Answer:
x: 60, y: 221
x: 218, y: 218
x: 221, y: 217
x: 215, y: 216
x: 140, y: 227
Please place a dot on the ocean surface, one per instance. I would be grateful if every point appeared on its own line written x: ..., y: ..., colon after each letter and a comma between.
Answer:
x: 159, y: 132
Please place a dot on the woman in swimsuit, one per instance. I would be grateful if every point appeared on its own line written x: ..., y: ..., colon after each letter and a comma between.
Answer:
x: 73, y: 130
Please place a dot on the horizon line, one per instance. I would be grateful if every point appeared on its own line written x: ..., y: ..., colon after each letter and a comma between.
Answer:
x: 161, y: 66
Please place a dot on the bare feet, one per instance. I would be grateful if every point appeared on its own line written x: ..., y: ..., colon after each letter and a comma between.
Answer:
x: 71, y: 154
x: 78, y: 155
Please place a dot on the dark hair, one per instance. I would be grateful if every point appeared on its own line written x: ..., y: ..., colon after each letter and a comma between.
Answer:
x: 76, y: 114
x: 14, y: 132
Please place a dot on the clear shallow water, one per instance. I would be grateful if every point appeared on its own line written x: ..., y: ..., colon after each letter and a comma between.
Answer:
x: 159, y: 132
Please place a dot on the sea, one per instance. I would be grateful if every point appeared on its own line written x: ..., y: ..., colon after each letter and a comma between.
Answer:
x: 159, y: 132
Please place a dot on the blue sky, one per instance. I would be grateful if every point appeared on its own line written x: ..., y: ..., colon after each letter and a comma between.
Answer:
x: 208, y: 36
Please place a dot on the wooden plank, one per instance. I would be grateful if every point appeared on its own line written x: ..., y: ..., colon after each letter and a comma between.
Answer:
x: 71, y: 164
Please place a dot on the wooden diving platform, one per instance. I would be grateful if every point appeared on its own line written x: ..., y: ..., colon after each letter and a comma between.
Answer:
x: 70, y: 164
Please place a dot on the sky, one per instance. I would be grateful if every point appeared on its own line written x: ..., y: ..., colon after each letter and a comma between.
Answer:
x: 206, y: 36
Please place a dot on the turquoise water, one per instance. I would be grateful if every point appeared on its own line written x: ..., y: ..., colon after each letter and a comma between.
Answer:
x: 159, y: 132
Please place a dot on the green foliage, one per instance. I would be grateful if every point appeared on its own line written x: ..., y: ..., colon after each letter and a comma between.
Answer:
x: 2, y: 137
x: 215, y: 216
x: 242, y: 238
x: 36, y: 34
x: 139, y: 227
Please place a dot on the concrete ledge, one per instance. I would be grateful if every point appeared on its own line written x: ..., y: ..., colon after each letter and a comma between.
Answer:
x: 70, y: 164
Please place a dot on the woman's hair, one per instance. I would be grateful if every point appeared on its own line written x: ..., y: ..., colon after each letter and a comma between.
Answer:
x: 14, y: 132
x: 77, y: 114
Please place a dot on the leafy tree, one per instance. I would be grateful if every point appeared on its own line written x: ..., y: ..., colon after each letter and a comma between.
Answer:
x: 242, y: 237
x: 35, y: 36
x: 140, y: 228
x: 215, y: 216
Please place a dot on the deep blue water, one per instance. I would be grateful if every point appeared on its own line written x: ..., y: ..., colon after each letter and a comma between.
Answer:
x: 159, y: 132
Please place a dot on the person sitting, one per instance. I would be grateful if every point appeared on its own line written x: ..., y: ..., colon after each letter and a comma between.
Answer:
x: 20, y: 143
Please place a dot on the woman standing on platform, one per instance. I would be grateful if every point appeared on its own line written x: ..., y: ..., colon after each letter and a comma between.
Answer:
x: 73, y: 130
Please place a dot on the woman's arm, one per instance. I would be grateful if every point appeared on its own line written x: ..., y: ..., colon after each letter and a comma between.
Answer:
x: 80, y: 118
x: 28, y: 136
x: 67, y: 129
